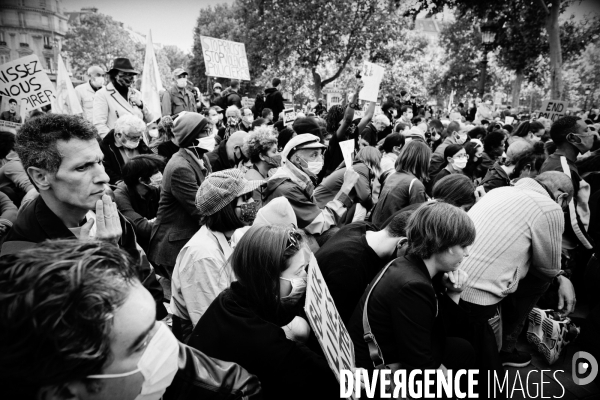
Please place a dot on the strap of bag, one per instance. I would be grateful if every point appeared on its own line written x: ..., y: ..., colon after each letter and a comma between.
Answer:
x: 374, y: 350
x: 410, y: 187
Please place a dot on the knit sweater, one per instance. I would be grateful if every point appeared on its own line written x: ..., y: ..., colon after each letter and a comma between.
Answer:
x: 517, y: 228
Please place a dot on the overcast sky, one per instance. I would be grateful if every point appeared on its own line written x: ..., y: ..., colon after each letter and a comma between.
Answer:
x: 173, y: 22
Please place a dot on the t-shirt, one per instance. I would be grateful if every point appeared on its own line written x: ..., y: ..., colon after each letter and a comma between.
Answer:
x: 348, y: 265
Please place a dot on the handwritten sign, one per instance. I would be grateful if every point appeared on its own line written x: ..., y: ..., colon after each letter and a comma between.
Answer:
x: 25, y: 79
x: 347, y: 147
x: 327, y: 323
x: 553, y: 109
x: 372, y: 75
x: 225, y: 59
x: 289, y: 116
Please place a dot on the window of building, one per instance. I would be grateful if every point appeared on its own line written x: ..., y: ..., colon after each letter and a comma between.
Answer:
x: 21, y: 20
x: 4, y: 58
x: 49, y: 63
x: 23, y: 38
x: 47, y: 41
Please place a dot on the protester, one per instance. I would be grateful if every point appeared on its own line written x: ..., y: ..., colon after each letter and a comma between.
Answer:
x: 485, y: 110
x: 274, y: 99
x: 391, y: 148
x: 165, y: 143
x: 243, y: 324
x: 367, y: 165
x: 261, y: 148
x: 474, y: 149
x: 406, y: 115
x: 523, y: 138
x: 456, y: 161
x: 216, y: 118
x: 14, y: 181
x: 118, y: 98
x: 77, y: 323
x: 121, y: 144
x: 138, y: 194
x: 247, y: 119
x: 63, y: 160
x: 525, y: 165
x: 177, y: 219
x: 224, y: 202
x: 406, y: 185
x: 352, y: 257
x: 371, y: 132
x: 493, y: 149
x: 309, y: 125
x: 453, y: 136
x: 517, y: 254
x: 229, y: 153
x: 230, y: 96
x: 402, y: 311
x: 267, y: 114
x: 234, y: 118
x: 178, y: 98
x: 216, y: 94
x: 284, y: 137
x: 87, y: 90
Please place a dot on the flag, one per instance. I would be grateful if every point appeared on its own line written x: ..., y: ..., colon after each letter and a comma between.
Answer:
x: 66, y: 99
x: 151, y: 84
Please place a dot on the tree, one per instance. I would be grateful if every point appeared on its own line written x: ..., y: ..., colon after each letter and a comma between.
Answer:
x: 176, y: 58
x: 320, y: 31
x: 294, y: 79
x: 96, y: 39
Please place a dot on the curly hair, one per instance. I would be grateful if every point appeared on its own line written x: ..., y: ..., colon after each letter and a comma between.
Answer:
x: 36, y: 142
x: 57, y: 303
x: 7, y: 143
x: 334, y: 117
x: 260, y: 141
x: 233, y: 111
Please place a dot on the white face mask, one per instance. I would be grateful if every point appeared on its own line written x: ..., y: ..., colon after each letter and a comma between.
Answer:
x: 98, y: 81
x: 158, y: 365
x: 153, y: 133
x: 460, y: 163
x: 181, y: 82
x: 461, y: 139
x: 298, y: 289
x: 206, y: 143
x: 156, y: 179
x: 315, y: 167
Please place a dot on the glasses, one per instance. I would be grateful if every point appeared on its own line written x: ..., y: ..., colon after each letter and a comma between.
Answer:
x: 136, y: 139
x: 462, y: 156
x: 294, y: 240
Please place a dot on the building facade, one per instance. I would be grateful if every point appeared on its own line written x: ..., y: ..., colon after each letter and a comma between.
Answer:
x: 32, y: 27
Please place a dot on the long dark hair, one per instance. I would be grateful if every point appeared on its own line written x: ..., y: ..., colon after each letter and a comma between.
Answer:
x: 258, y: 260
x: 472, y: 164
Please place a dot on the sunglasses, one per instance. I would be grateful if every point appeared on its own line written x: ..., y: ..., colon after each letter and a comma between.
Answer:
x: 294, y: 240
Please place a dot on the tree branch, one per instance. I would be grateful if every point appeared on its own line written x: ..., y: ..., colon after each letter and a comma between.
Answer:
x: 544, y: 6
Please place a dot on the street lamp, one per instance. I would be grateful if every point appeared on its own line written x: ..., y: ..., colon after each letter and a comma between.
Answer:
x: 587, y: 93
x: 488, y: 34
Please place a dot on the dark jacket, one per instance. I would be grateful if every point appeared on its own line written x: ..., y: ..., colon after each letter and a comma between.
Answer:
x: 203, y: 377
x: 274, y: 101
x: 370, y: 134
x: 232, y: 330
x: 173, y: 101
x: 113, y: 161
x: 396, y: 194
x: 218, y: 158
x: 231, y: 98
x: 486, y: 163
x: 167, y: 149
x: 36, y: 223
x: 138, y: 211
x: 177, y: 219
x: 496, y: 177
x: 331, y: 185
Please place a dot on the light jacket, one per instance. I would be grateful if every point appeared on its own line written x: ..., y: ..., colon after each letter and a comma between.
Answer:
x: 85, y: 94
x: 173, y: 102
x: 109, y: 105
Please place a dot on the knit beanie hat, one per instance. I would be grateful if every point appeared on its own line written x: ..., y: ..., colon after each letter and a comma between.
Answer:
x: 187, y: 127
x: 279, y: 211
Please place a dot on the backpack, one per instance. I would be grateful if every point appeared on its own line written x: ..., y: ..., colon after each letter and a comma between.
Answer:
x: 259, y: 105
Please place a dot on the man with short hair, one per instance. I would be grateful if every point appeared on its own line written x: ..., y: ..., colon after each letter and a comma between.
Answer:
x: 64, y: 161
x: 371, y: 132
x: 517, y: 253
x: 178, y: 98
x: 406, y: 115
x: 354, y: 255
x: 228, y: 154
x: 268, y: 114
x: 87, y: 90
x: 121, y: 144
x: 453, y: 136
x: 78, y: 324
x: 302, y: 159
x: 247, y: 119
x: 274, y: 99
x: 11, y: 114
x: 230, y: 96
x: 216, y: 94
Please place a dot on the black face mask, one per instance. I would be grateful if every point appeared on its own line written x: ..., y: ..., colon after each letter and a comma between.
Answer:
x: 124, y: 81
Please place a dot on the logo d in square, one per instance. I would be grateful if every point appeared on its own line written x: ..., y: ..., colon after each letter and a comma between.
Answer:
x: 584, y: 364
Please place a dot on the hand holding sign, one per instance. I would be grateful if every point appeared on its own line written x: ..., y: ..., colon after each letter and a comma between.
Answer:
x: 347, y: 147
x: 371, y: 77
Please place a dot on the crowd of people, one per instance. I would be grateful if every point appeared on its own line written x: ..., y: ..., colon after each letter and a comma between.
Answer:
x: 168, y: 258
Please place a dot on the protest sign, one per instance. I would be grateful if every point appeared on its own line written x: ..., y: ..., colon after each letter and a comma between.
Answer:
x: 25, y: 80
x: 248, y: 102
x: 66, y: 101
x: 347, y: 147
x: 11, y: 111
x: 327, y: 323
x: 7, y: 126
x: 289, y: 116
x: 358, y: 114
x: 508, y: 120
x: 151, y: 83
x: 225, y: 59
x: 553, y: 109
x: 372, y: 75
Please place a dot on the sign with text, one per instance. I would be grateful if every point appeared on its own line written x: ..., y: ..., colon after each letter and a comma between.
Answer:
x: 327, y: 323
x: 553, y: 109
x: 248, y: 102
x: 372, y: 75
x: 225, y: 59
x: 347, y: 147
x: 289, y: 116
x: 25, y: 79
x: 7, y: 126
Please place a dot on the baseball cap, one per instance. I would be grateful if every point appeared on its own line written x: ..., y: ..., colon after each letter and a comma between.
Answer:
x: 179, y: 71
x: 304, y: 141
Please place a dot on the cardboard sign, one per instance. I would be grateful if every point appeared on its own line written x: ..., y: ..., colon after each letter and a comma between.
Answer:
x: 508, y: 120
x: 347, y: 147
x: 326, y: 322
x: 225, y: 59
x: 7, y: 126
x: 289, y: 116
x: 25, y: 79
x: 248, y: 102
x: 372, y: 75
x: 553, y: 109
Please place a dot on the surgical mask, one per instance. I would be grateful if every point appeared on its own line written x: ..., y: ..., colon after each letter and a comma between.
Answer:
x: 181, y: 82
x: 273, y: 162
x: 298, y: 290
x: 315, y: 167
x: 462, y: 138
x: 248, y: 212
x: 128, y: 144
x: 153, y: 133
x: 488, y: 102
x: 460, y: 163
x: 156, y: 179
x: 158, y: 365
x: 206, y: 143
x: 98, y: 81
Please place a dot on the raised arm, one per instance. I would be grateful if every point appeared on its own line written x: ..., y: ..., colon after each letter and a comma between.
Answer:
x: 348, y: 115
x: 367, y: 117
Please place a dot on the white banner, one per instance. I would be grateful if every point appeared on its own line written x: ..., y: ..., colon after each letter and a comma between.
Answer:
x: 151, y: 83
x: 66, y: 101
x: 25, y: 79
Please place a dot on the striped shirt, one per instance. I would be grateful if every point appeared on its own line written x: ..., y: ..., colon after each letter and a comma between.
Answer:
x: 517, y: 227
